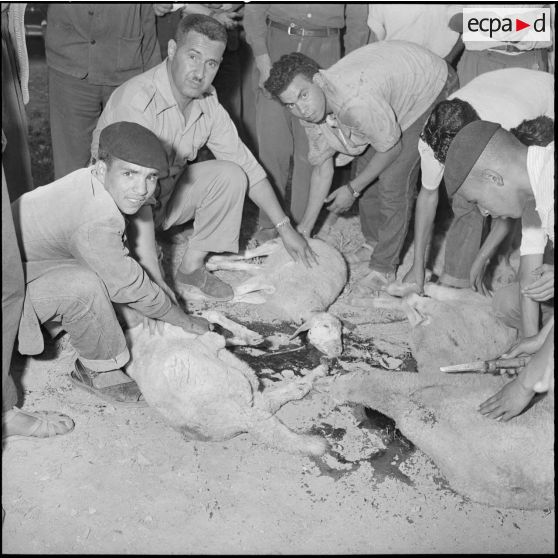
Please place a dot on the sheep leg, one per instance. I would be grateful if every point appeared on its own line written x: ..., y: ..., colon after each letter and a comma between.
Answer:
x: 236, y: 261
x: 274, y: 398
x: 222, y: 263
x: 241, y: 334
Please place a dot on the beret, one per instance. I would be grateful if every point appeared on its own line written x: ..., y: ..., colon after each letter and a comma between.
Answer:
x: 134, y: 143
x: 464, y: 151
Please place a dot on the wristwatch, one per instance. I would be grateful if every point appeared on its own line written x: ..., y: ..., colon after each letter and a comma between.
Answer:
x: 352, y: 190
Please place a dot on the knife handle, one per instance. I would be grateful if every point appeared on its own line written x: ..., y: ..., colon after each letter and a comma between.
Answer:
x: 518, y: 362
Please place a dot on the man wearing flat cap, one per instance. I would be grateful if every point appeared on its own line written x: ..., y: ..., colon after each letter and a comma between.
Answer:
x: 72, y: 238
x: 505, y: 178
x: 177, y: 102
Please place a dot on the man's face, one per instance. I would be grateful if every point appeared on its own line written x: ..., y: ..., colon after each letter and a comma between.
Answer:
x: 129, y: 184
x: 193, y: 65
x: 305, y: 99
x: 487, y: 190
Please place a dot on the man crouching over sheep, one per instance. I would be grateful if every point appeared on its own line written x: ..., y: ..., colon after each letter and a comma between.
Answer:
x: 72, y: 238
x: 177, y: 102
x: 504, y: 178
x: 373, y: 102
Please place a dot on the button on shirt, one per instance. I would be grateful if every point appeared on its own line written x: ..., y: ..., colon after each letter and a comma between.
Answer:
x: 375, y: 93
x: 104, y: 43
x: 147, y: 99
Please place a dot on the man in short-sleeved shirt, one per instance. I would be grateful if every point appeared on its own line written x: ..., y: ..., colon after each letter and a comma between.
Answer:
x: 377, y: 96
x: 177, y: 102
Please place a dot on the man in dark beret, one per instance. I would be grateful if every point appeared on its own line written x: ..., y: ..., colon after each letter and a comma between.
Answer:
x: 505, y: 178
x: 72, y: 238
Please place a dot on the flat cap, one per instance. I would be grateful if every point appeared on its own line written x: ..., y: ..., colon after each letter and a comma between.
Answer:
x: 134, y: 143
x: 464, y: 151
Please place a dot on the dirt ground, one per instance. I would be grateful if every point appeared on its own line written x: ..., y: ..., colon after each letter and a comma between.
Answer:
x: 125, y: 482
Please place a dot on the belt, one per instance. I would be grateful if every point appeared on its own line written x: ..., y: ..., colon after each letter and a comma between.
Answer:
x: 294, y: 29
x: 512, y: 48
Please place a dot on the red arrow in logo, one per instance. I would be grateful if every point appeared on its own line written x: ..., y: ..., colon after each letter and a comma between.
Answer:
x: 519, y: 25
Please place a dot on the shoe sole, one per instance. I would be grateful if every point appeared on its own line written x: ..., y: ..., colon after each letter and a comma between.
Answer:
x: 79, y: 384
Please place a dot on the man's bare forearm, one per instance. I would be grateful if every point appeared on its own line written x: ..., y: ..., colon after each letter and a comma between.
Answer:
x: 320, y: 184
x: 425, y: 212
x: 378, y: 163
x: 529, y: 307
x: 499, y: 230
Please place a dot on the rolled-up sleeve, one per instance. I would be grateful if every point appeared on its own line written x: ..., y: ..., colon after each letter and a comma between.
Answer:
x: 319, y: 149
x: 225, y: 144
x: 533, y: 237
x: 100, y: 246
x: 432, y: 170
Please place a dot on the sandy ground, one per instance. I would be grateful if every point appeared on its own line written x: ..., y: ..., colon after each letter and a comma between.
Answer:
x: 125, y: 482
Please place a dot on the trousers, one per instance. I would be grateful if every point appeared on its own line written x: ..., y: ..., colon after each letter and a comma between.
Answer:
x: 386, y: 206
x: 75, y: 106
x: 73, y: 298
x: 280, y: 136
x: 212, y: 194
x: 13, y: 290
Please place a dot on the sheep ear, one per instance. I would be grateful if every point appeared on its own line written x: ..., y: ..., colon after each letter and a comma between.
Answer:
x: 304, y: 327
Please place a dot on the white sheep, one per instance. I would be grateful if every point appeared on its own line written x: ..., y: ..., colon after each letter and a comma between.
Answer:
x: 293, y: 292
x: 207, y: 393
x: 448, y: 326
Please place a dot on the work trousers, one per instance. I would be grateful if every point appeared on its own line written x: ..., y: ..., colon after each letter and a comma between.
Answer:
x: 212, y: 194
x: 13, y: 290
x: 280, y: 135
x: 16, y: 159
x: 75, y: 107
x: 73, y: 298
x: 386, y: 206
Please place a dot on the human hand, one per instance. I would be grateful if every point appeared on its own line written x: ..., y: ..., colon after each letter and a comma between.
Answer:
x: 195, y: 324
x: 526, y: 346
x: 228, y: 19
x: 162, y: 9
x: 415, y: 275
x: 508, y: 402
x: 341, y: 200
x: 477, y: 277
x: 154, y: 326
x: 263, y: 63
x: 542, y: 288
x: 297, y: 246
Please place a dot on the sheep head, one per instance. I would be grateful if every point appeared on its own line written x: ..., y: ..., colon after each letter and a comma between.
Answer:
x: 324, y: 332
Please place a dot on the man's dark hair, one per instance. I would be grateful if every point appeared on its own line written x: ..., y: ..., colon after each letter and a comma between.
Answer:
x: 443, y: 124
x: 104, y: 155
x: 537, y: 131
x: 202, y: 24
x: 286, y: 69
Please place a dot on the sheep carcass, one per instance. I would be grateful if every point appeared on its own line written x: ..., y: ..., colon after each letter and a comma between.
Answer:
x: 448, y: 326
x: 293, y: 292
x: 207, y: 393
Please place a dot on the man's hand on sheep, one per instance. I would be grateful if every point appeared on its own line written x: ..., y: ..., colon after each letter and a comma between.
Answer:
x: 297, y: 246
x: 341, y: 200
x: 542, y: 288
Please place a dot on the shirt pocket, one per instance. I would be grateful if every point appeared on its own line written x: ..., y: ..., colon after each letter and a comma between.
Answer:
x: 129, y: 55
